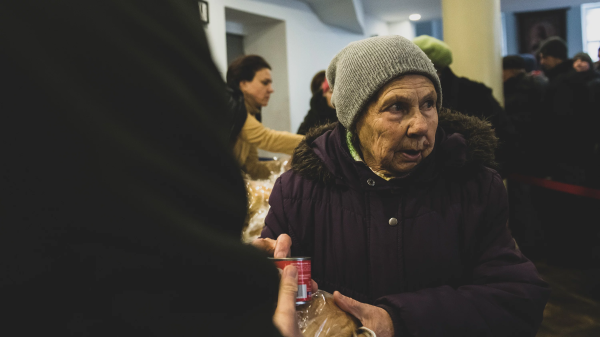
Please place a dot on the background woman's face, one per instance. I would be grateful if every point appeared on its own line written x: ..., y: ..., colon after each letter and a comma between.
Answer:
x: 397, y: 130
x: 580, y: 65
x: 259, y: 90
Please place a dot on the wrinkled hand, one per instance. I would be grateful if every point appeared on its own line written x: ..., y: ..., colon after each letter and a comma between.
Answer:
x: 284, y: 318
x: 372, y: 317
x: 279, y: 249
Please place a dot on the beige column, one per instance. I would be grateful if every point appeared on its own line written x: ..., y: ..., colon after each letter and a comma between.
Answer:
x: 472, y: 28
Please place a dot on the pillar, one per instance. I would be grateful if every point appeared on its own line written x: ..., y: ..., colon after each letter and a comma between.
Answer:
x: 472, y: 29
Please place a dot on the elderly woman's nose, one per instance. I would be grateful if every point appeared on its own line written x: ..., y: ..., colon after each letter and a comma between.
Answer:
x: 418, y: 125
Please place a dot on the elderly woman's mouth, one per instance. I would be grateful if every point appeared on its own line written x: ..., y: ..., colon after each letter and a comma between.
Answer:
x: 411, y: 154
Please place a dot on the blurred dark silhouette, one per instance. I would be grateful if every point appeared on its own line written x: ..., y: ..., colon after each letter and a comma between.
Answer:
x: 121, y: 205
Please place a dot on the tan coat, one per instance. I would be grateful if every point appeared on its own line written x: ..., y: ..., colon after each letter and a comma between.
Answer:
x: 255, y: 135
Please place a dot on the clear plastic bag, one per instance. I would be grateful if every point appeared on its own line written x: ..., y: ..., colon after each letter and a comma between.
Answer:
x: 321, y: 317
x: 258, y: 192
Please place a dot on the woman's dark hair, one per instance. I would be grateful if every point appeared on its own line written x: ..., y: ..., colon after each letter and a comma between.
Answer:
x: 317, y: 81
x: 243, y: 69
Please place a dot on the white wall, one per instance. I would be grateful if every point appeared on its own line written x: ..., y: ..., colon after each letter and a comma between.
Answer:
x: 402, y: 28
x: 311, y: 45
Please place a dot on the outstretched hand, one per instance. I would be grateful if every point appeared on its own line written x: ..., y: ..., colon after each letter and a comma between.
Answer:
x: 372, y: 317
x: 284, y: 318
x: 279, y: 249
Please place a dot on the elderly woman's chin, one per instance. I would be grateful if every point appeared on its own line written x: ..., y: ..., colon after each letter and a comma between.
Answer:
x: 404, y: 162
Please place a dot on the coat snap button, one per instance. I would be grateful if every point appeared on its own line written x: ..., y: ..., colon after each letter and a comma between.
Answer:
x: 371, y: 182
x: 393, y: 222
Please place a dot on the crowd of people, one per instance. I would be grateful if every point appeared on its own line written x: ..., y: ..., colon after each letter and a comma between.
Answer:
x: 123, y: 195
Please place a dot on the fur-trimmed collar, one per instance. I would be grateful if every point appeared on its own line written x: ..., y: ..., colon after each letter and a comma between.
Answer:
x: 481, y: 143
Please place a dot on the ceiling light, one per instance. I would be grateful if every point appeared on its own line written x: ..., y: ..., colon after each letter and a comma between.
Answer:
x: 414, y: 17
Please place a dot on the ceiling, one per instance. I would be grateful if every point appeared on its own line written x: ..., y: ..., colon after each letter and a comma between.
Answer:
x: 399, y: 10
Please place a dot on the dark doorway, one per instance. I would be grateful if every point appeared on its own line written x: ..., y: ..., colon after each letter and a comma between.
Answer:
x: 235, y: 47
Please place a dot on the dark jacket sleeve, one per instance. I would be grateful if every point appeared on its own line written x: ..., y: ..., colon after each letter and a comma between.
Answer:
x: 503, y: 295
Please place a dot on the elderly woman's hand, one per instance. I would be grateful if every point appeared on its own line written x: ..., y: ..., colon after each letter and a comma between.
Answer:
x: 370, y: 316
x: 278, y: 249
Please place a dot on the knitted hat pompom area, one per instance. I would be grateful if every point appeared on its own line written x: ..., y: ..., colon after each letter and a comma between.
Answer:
x: 363, y: 67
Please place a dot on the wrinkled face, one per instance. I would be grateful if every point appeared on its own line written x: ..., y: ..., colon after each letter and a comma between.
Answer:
x: 549, y: 62
x: 327, y: 95
x: 397, y: 130
x: 259, y: 90
x: 579, y: 65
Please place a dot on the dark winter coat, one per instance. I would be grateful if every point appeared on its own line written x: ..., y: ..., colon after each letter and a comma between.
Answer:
x: 320, y: 113
x: 449, y: 267
x: 571, y: 116
x: 121, y: 206
x: 475, y: 99
x: 523, y: 105
x: 560, y: 69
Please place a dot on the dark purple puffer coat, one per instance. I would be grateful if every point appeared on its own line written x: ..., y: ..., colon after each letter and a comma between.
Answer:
x: 432, y: 249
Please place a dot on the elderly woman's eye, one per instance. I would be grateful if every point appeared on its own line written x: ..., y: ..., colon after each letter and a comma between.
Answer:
x: 396, y: 107
x: 429, y: 104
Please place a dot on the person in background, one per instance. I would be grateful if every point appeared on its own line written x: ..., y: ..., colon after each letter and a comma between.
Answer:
x: 582, y: 62
x: 523, y: 97
x: 121, y: 205
x: 251, y: 75
x: 553, y: 58
x: 468, y: 97
x: 317, y: 81
x: 597, y: 64
x: 321, y: 110
x: 571, y: 111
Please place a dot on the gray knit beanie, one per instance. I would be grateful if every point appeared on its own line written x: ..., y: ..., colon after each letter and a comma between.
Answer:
x: 362, y: 68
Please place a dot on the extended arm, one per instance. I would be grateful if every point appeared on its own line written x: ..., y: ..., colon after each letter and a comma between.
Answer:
x: 264, y: 138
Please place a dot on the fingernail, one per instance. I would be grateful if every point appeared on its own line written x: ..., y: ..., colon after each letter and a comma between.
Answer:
x: 291, y: 271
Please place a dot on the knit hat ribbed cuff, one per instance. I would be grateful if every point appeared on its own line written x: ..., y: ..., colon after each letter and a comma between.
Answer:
x: 362, y: 68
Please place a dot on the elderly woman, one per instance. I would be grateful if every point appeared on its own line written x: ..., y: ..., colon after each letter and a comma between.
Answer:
x: 251, y: 75
x: 398, y: 208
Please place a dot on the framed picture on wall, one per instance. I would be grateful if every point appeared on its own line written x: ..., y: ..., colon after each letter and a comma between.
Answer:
x: 535, y: 27
x: 203, y: 6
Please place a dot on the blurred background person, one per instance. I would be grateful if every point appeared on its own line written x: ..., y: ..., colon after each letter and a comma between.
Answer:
x: 569, y: 155
x: 468, y: 97
x: 321, y: 110
x: 317, y: 81
x: 121, y: 202
x: 251, y: 75
x: 523, y: 98
x: 582, y: 62
x: 553, y: 58
x: 597, y: 64
x: 523, y: 95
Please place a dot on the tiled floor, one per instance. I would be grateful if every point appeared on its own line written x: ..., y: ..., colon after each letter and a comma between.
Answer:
x: 572, y: 311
